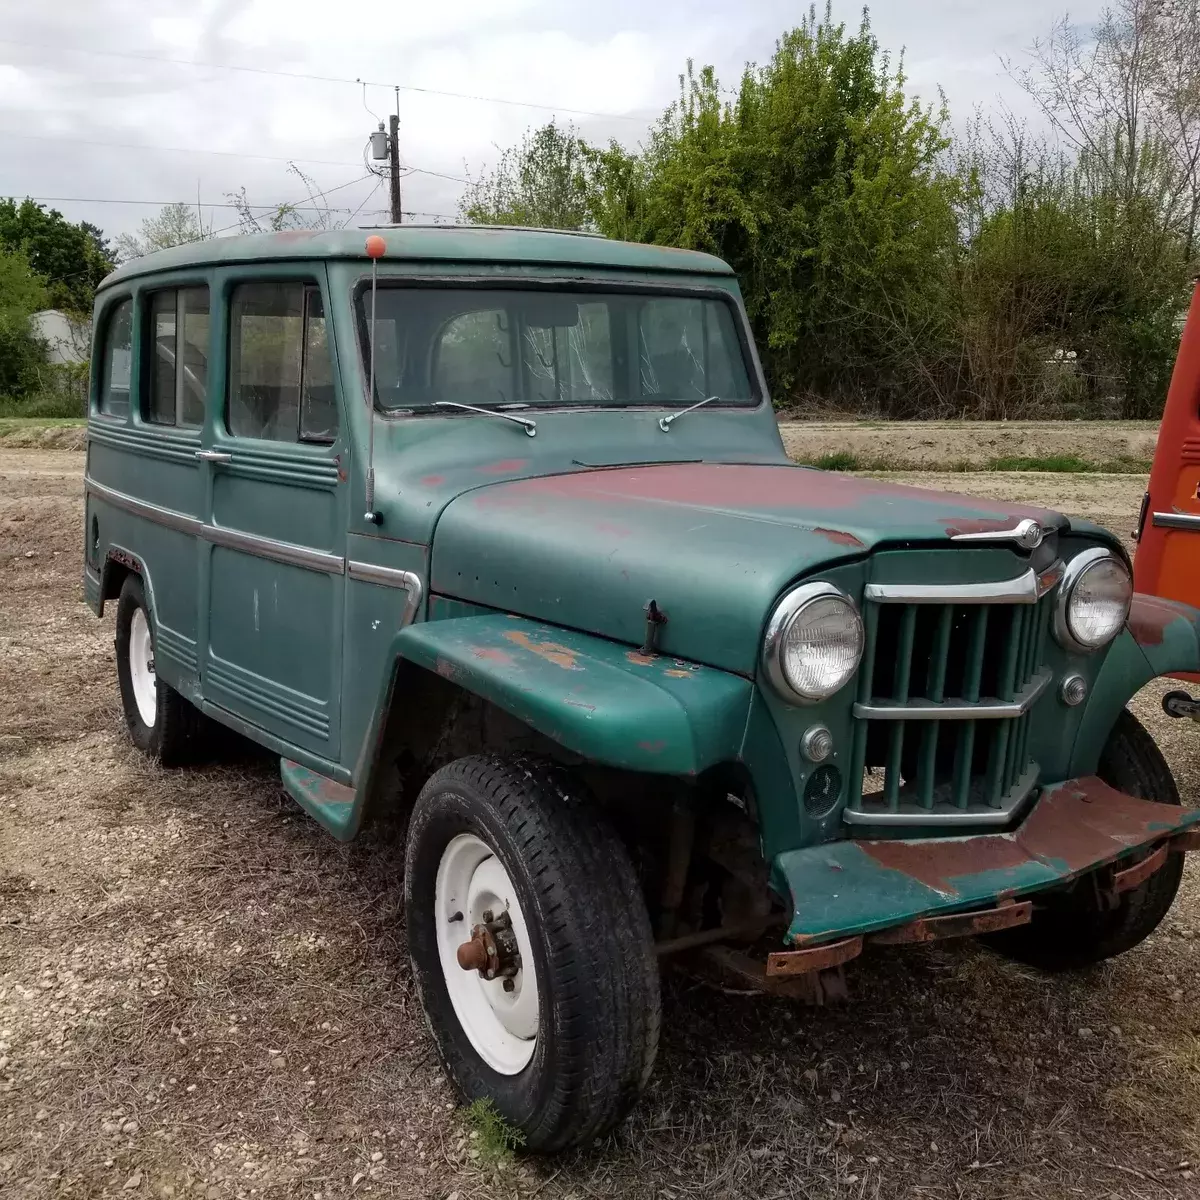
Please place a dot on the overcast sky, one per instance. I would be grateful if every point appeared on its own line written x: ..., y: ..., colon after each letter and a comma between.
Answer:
x: 78, y: 73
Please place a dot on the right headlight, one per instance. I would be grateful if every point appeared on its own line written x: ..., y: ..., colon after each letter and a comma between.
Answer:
x: 813, y: 644
x: 1093, y: 600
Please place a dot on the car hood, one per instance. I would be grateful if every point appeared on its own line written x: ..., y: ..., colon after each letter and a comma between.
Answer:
x: 713, y: 544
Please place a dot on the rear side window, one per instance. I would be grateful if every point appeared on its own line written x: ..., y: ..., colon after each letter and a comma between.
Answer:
x: 280, y: 370
x: 177, y: 369
x: 117, y: 362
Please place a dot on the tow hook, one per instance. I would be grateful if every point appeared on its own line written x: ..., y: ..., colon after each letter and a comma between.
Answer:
x: 1180, y: 704
x: 492, y: 949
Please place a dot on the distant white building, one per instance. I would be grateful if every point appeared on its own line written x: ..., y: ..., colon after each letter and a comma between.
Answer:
x: 67, y: 340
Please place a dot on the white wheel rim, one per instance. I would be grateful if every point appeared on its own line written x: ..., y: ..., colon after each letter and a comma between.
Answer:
x: 502, y: 1026
x: 141, y: 668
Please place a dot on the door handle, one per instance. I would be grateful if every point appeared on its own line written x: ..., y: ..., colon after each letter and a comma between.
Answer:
x: 214, y: 456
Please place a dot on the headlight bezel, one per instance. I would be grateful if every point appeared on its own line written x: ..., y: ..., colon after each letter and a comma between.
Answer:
x: 1073, y: 573
x: 785, y: 613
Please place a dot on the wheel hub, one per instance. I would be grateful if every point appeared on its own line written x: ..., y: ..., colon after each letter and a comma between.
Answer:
x: 492, y: 949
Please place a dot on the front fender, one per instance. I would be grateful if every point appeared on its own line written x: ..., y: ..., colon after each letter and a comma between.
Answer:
x: 600, y: 699
x: 1161, y: 637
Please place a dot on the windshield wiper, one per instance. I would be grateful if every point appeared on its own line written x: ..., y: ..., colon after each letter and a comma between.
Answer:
x: 529, y: 426
x: 665, y: 422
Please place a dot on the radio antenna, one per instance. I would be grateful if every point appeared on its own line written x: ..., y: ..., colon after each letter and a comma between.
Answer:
x: 376, y: 248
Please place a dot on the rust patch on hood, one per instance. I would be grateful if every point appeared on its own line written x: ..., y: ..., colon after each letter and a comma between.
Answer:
x: 839, y: 537
x: 552, y: 652
x: 1149, y: 617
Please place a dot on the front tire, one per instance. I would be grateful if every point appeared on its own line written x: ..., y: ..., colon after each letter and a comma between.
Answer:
x: 564, y: 1042
x: 161, y: 723
x: 1072, y: 930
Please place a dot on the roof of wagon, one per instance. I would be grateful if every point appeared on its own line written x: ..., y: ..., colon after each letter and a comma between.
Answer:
x: 430, y: 243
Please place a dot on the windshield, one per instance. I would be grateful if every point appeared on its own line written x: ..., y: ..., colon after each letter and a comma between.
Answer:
x: 553, y: 348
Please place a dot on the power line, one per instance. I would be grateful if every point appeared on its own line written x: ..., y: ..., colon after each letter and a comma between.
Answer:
x: 216, y: 66
x: 324, y: 162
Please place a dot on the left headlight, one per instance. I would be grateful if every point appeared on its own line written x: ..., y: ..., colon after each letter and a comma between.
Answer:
x: 813, y: 644
x: 1093, y: 600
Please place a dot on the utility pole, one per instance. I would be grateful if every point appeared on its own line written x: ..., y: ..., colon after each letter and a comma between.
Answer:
x: 394, y: 156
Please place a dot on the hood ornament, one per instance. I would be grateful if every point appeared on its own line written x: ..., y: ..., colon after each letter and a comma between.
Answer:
x: 1028, y: 534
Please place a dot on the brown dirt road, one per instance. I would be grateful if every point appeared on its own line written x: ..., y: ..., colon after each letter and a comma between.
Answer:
x: 203, y: 995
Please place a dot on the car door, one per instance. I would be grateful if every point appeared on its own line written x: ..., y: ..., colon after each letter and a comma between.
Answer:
x: 273, y: 579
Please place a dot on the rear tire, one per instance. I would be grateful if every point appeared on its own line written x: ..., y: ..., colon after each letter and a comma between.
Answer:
x: 564, y: 1054
x: 1072, y: 931
x: 161, y: 723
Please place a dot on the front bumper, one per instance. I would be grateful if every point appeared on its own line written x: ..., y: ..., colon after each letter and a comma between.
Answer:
x: 849, y: 888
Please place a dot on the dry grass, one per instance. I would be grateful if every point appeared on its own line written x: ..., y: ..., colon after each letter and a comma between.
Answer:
x: 202, y: 995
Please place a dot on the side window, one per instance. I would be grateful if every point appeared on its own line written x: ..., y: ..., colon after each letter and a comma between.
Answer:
x: 473, y: 359
x: 178, y: 357
x: 280, y: 373
x: 118, y: 359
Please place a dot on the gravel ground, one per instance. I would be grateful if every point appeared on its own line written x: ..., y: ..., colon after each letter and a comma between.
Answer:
x: 203, y: 995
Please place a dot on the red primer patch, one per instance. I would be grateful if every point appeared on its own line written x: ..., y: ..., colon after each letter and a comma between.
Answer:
x: 839, y: 537
x: 506, y: 466
x: 1149, y: 617
x: 433, y: 480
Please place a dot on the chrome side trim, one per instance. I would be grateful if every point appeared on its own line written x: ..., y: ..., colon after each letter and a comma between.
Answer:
x: 1027, y: 533
x: 957, y: 710
x: 945, y: 815
x: 1176, y: 521
x: 264, y: 547
x: 168, y: 517
x: 232, y: 539
x: 1024, y: 589
x: 391, y: 577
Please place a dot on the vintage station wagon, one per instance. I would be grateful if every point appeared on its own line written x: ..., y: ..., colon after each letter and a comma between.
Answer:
x: 495, y: 528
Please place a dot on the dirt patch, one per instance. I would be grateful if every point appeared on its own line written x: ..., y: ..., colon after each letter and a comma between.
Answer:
x: 203, y: 995
x: 936, y: 445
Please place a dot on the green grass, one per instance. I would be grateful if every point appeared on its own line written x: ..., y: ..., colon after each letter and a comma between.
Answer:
x: 10, y: 423
x: 839, y: 460
x: 1067, y: 464
x: 491, y: 1134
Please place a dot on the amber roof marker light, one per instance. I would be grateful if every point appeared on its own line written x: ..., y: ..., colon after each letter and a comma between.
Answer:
x: 376, y: 248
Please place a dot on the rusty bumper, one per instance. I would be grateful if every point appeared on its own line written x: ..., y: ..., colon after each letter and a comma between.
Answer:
x: 845, y: 890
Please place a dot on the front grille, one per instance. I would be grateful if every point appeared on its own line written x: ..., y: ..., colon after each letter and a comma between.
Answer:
x: 948, y: 676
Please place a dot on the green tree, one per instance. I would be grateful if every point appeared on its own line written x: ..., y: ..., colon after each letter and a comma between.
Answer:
x: 174, y: 225
x: 22, y: 355
x: 67, y: 256
x: 545, y: 183
x: 823, y: 186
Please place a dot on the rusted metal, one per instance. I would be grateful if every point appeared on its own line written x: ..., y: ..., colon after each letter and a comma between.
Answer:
x: 784, y: 963
x: 1184, y: 842
x: 474, y: 955
x: 722, y: 933
x: 492, y: 949
x: 655, y: 620
x: 932, y: 929
x: 815, y: 987
x: 1134, y: 876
